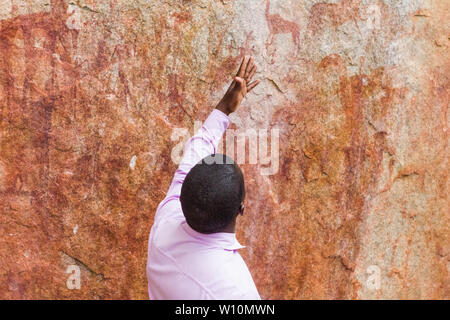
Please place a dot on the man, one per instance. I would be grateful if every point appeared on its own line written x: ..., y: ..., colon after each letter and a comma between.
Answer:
x: 192, y: 249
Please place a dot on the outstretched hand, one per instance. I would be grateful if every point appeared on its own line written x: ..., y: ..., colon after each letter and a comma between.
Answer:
x: 240, y: 86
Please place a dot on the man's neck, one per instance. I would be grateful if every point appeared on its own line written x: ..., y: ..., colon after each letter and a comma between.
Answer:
x: 231, y: 227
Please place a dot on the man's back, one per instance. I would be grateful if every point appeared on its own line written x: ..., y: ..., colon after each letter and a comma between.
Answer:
x: 183, y: 263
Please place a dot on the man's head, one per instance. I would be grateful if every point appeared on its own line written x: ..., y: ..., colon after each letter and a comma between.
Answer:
x: 212, y: 194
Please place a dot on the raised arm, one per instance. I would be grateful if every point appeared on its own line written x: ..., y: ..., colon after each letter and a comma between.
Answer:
x: 206, y: 140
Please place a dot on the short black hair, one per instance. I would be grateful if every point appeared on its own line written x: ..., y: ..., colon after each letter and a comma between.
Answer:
x: 212, y: 193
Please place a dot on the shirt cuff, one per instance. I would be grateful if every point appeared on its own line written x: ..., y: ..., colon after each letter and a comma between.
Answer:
x: 217, y: 122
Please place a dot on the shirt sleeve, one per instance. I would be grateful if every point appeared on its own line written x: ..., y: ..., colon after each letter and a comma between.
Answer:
x: 201, y: 145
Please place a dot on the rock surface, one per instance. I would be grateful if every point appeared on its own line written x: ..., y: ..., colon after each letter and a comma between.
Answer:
x: 94, y: 96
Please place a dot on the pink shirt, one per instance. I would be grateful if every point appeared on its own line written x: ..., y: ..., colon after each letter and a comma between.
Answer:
x: 183, y: 263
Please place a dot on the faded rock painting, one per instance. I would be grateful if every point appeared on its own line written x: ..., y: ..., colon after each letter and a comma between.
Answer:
x: 93, y: 95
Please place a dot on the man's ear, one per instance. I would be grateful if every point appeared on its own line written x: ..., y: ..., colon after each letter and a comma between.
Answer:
x: 241, y: 209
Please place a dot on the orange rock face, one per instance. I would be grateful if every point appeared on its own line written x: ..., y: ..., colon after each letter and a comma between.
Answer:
x: 96, y: 98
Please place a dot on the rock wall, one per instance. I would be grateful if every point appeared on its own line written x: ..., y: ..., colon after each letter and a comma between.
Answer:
x: 94, y: 96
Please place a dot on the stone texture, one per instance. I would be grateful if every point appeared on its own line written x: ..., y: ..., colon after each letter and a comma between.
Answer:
x: 91, y: 93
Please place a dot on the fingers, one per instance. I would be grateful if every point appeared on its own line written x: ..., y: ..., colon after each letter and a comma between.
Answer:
x: 243, y: 67
x: 252, y: 72
x: 251, y: 85
x: 248, y: 68
x: 246, y: 72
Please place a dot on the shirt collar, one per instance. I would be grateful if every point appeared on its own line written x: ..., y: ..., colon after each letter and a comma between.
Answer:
x: 224, y: 240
